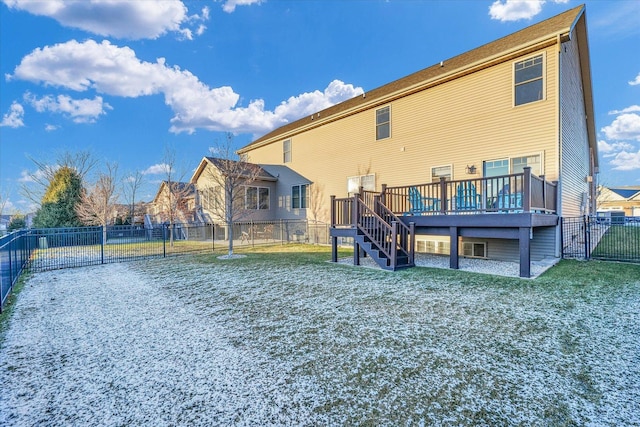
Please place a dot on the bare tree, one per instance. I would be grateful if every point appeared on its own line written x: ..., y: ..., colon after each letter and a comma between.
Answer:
x: 4, y: 198
x: 82, y: 162
x: 98, y: 204
x: 174, y: 195
x: 231, y: 175
x: 130, y: 187
x: 317, y: 206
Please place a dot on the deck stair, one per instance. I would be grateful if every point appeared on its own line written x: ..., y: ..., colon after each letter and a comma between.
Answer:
x: 382, y: 236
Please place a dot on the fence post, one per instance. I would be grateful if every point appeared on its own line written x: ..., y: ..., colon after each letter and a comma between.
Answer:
x: 562, y: 227
x: 213, y: 237
x: 164, y: 240
x: 587, y: 237
x: 103, y: 231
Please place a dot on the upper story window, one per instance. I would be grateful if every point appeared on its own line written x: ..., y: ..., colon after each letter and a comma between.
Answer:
x: 256, y: 198
x: 286, y: 151
x: 300, y: 196
x: 528, y: 80
x: 383, y: 123
x: 440, y: 171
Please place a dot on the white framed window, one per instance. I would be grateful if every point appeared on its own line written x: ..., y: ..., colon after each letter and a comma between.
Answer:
x: 474, y: 249
x: 256, y: 198
x: 528, y: 80
x: 286, y: 151
x: 509, y: 165
x: 534, y: 161
x: 367, y: 182
x: 441, y: 171
x: 300, y: 196
x: 211, y: 198
x: 383, y: 122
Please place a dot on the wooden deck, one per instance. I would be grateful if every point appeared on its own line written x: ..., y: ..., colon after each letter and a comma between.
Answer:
x: 503, y: 207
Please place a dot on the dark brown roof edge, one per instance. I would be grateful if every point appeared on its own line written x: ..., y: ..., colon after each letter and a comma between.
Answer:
x: 551, y: 26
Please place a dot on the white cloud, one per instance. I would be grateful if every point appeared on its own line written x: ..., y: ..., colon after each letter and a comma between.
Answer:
x: 117, y: 18
x: 612, y: 149
x: 51, y: 128
x: 117, y: 71
x: 229, y: 6
x: 157, y: 169
x: 14, y: 118
x: 636, y: 81
x: 631, y: 109
x: 625, y: 126
x: 514, y: 10
x: 79, y: 110
x: 626, y: 161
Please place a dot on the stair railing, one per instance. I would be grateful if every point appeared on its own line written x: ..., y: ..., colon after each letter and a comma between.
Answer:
x: 389, y: 236
x: 405, y: 233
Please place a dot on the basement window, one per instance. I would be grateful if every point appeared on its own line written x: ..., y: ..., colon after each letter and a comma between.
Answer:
x: 474, y: 249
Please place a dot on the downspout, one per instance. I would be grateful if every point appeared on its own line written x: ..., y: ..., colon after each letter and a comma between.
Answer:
x: 559, y: 157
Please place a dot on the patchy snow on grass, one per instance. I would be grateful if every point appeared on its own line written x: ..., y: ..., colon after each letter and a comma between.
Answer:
x: 178, y: 341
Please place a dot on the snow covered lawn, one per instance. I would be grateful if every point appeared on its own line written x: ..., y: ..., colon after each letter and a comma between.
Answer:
x: 194, y: 341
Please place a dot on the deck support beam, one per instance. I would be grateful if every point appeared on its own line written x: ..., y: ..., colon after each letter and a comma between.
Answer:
x: 453, y: 248
x: 525, y: 252
x: 334, y: 249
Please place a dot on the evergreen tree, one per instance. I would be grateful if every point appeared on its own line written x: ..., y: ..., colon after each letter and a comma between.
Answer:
x: 58, y: 208
x: 17, y: 222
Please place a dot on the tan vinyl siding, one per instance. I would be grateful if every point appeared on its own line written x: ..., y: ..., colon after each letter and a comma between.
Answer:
x: 461, y: 122
x: 575, y: 145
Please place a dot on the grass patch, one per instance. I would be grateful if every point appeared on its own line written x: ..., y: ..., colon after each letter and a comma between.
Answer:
x: 8, y: 308
x: 619, y: 242
x: 282, y: 337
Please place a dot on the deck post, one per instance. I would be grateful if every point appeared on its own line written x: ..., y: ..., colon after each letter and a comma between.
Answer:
x: 526, y: 183
x: 383, y: 196
x: 453, y: 248
x: 333, y: 210
x: 525, y: 251
x: 334, y: 249
x: 544, y: 193
x: 412, y: 243
x: 443, y: 195
x: 394, y: 244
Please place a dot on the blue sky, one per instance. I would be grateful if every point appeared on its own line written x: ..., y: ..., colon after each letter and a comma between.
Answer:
x: 125, y: 80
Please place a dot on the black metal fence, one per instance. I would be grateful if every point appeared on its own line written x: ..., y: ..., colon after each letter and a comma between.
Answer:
x: 55, y: 248
x: 15, y: 249
x: 591, y: 237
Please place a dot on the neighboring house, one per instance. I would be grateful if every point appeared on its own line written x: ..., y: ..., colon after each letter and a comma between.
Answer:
x: 4, y: 224
x: 622, y: 199
x: 173, y: 203
x: 264, y: 190
x: 507, y: 127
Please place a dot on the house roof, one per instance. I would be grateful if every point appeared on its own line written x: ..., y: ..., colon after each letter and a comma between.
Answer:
x: 532, y: 38
x: 185, y: 188
x: 626, y: 192
x: 217, y: 162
